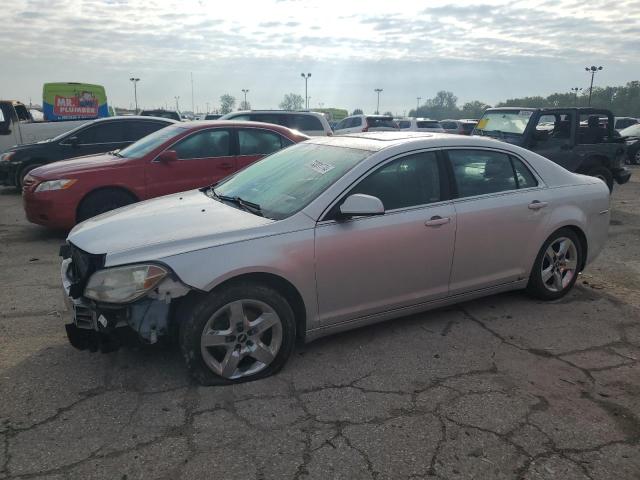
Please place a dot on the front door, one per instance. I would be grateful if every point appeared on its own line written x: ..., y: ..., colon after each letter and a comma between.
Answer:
x: 501, y: 212
x: 555, y: 138
x: 204, y: 157
x: 368, y: 265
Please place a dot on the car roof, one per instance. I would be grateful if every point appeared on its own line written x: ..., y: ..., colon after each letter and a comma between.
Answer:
x: 376, y: 141
x: 286, y: 112
x: 202, y: 124
x: 144, y: 118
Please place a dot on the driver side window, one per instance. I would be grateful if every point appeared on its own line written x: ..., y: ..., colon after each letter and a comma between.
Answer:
x: 406, y: 182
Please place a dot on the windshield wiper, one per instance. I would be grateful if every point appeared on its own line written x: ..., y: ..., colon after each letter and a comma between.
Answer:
x: 244, y: 204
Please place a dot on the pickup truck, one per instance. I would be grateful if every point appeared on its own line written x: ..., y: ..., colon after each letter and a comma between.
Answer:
x: 581, y: 140
x: 17, y: 126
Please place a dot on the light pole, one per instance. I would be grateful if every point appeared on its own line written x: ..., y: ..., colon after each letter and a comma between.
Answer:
x: 177, y: 105
x: 245, y: 91
x: 207, y: 107
x: 575, y: 90
x: 135, y: 90
x: 418, y: 105
x: 592, y: 69
x: 378, y: 90
x: 306, y: 96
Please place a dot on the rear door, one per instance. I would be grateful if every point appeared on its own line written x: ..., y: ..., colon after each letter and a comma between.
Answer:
x: 204, y: 157
x: 255, y: 143
x: 501, y: 210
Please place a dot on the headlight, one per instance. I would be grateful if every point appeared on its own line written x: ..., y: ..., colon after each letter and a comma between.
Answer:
x: 5, y: 157
x: 62, y: 184
x: 123, y: 284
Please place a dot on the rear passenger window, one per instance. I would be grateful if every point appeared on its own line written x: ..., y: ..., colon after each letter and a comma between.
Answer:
x: 432, y: 125
x: 258, y: 142
x: 405, y: 182
x: 479, y: 172
x: 524, y: 177
x: 305, y: 123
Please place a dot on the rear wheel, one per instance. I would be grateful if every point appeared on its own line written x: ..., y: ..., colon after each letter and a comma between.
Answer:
x: 241, y: 333
x: 556, y: 267
x: 103, y: 201
x: 603, y: 174
x: 635, y: 159
x: 24, y: 172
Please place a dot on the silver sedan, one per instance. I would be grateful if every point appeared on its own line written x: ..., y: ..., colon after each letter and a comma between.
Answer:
x: 328, y: 235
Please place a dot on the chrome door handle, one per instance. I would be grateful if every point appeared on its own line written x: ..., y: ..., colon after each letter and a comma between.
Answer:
x: 537, y: 205
x: 436, y: 221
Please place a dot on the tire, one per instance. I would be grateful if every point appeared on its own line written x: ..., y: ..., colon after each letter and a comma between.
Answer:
x: 102, y: 201
x: 603, y: 174
x: 635, y: 157
x: 553, y: 275
x: 24, y: 172
x: 239, y: 351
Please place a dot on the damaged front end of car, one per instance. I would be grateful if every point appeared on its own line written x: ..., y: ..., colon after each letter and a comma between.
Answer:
x: 119, y: 305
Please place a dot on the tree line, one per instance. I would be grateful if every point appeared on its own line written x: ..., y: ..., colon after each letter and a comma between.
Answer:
x: 622, y: 100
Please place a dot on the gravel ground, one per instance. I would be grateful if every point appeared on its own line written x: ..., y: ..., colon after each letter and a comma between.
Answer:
x: 500, y: 388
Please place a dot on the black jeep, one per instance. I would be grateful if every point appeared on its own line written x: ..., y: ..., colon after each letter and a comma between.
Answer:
x: 581, y: 140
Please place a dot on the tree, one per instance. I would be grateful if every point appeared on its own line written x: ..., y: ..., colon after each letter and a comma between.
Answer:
x: 244, y: 106
x: 474, y: 109
x: 357, y: 111
x: 292, y: 101
x: 388, y: 114
x: 227, y: 102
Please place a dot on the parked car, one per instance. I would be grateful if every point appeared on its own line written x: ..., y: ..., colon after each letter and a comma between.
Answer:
x: 365, y: 123
x: 589, y: 148
x: 17, y: 126
x: 174, y: 159
x: 94, y: 136
x: 328, y: 235
x: 212, y: 116
x: 620, y: 123
x: 310, y: 123
x: 420, y: 125
x: 459, y: 127
x: 631, y: 137
x: 160, y: 112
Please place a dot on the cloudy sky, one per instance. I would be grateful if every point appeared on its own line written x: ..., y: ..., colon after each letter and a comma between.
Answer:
x: 482, y: 49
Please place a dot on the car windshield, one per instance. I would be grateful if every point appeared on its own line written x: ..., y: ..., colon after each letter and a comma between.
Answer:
x: 513, y: 121
x: 287, y: 181
x: 632, y: 131
x: 150, y: 142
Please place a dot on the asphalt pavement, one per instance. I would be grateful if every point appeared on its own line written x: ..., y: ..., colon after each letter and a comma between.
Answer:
x: 501, y: 388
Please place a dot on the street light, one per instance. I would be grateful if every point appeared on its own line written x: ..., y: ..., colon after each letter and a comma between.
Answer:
x: 177, y: 105
x: 576, y: 90
x: 378, y: 90
x: 135, y: 90
x: 306, y: 96
x: 245, y: 91
x: 418, y: 105
x: 592, y: 69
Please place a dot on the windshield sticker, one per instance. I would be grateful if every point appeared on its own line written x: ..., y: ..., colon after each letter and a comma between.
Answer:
x: 482, y: 124
x: 320, y: 167
x: 525, y: 113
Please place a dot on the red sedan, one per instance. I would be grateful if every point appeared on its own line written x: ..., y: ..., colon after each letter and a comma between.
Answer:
x: 174, y: 159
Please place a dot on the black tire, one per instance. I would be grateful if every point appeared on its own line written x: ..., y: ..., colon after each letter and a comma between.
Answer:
x: 197, y: 317
x: 102, y: 201
x: 24, y: 171
x: 604, y: 174
x: 634, y: 157
x: 536, y: 286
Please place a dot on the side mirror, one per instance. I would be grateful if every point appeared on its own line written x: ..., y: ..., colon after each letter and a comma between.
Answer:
x: 167, y: 156
x: 73, y: 141
x: 361, y: 205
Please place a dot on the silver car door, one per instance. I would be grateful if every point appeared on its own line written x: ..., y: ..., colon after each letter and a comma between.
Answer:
x: 501, y: 210
x: 366, y: 265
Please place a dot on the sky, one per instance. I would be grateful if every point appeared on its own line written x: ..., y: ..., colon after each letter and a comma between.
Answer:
x: 487, y: 50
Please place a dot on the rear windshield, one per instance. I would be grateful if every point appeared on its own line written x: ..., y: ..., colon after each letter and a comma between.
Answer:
x: 432, y: 124
x: 468, y: 127
x: 374, y: 122
x: 404, y: 124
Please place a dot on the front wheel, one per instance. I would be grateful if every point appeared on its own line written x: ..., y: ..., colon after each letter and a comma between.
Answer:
x: 555, y: 270
x: 102, y: 201
x: 243, y: 332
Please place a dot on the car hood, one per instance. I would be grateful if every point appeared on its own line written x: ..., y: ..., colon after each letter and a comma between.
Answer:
x: 62, y: 168
x: 30, y: 146
x: 165, y: 226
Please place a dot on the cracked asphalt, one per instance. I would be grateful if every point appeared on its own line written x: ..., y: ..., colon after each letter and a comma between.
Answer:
x: 500, y: 388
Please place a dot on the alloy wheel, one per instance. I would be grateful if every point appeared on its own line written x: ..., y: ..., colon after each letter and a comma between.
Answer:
x: 241, y: 338
x: 560, y: 264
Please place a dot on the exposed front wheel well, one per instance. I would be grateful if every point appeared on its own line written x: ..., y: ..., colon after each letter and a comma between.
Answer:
x: 106, y: 189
